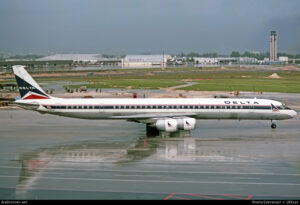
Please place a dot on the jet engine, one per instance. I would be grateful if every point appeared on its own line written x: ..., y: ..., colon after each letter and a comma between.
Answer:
x: 186, y: 123
x: 167, y: 125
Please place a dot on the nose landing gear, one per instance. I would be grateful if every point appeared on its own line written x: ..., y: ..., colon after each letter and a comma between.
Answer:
x: 273, y: 125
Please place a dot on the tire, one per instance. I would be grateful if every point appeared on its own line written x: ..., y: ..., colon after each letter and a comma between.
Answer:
x: 273, y: 126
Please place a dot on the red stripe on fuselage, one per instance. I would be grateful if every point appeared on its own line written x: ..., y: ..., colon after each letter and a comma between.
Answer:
x: 33, y: 96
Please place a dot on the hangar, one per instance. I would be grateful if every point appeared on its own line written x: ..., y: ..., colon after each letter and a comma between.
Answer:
x: 90, y: 58
x: 145, y: 61
x: 202, y: 60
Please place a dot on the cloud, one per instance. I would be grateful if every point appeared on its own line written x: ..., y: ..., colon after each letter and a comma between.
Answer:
x: 135, y: 26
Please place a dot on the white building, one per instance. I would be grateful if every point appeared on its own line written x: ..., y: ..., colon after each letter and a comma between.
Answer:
x: 145, y: 61
x: 283, y: 59
x: 247, y: 60
x: 201, y: 60
x: 90, y: 58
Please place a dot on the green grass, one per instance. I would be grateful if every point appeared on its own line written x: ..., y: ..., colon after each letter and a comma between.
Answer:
x: 288, y: 82
x: 211, y: 80
x: 133, y: 83
x: 218, y: 81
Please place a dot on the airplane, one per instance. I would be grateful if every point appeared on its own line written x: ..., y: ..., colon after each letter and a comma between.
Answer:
x: 159, y: 114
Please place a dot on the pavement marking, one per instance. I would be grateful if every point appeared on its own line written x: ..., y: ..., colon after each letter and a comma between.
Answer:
x: 156, y: 181
x: 124, y: 175
x: 233, y: 178
x: 170, y: 196
x: 159, y: 171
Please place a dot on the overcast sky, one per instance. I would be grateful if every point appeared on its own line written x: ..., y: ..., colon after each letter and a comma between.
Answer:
x: 147, y: 26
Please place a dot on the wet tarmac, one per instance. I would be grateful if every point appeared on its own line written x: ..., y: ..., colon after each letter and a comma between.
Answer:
x: 51, y: 157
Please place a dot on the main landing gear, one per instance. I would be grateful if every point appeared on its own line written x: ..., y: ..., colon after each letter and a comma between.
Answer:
x: 273, y: 125
x: 151, y: 131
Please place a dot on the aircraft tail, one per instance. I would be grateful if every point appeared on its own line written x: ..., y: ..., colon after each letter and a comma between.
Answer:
x: 28, y: 88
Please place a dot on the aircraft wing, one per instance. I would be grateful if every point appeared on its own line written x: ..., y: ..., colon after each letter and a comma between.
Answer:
x: 151, y: 117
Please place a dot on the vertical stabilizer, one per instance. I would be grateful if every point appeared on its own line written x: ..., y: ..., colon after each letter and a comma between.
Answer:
x: 28, y: 88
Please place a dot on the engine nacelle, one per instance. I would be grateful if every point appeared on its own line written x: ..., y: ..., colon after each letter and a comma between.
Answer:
x: 186, y: 123
x: 167, y: 125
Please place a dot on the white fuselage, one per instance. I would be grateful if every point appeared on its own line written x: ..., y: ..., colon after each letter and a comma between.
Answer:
x: 199, y: 108
x: 159, y: 114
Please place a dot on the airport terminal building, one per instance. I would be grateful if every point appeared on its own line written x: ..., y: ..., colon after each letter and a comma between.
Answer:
x: 89, y: 58
x: 145, y: 61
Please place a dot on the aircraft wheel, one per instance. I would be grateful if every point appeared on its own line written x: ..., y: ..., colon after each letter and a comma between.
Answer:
x: 273, y: 126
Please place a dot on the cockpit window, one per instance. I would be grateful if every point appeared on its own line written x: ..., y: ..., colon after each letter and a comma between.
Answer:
x: 285, y: 107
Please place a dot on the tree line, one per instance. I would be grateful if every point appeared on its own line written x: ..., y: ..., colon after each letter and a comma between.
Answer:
x: 259, y: 56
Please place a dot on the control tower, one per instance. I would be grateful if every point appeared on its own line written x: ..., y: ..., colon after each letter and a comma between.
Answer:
x: 273, y: 46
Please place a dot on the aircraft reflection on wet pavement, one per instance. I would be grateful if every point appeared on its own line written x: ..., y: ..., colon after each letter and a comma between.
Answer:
x: 100, y: 161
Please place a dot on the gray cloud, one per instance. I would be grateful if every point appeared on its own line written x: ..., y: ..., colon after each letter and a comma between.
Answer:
x: 136, y: 26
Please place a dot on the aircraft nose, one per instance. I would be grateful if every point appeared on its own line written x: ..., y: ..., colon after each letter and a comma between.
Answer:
x: 293, y: 113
